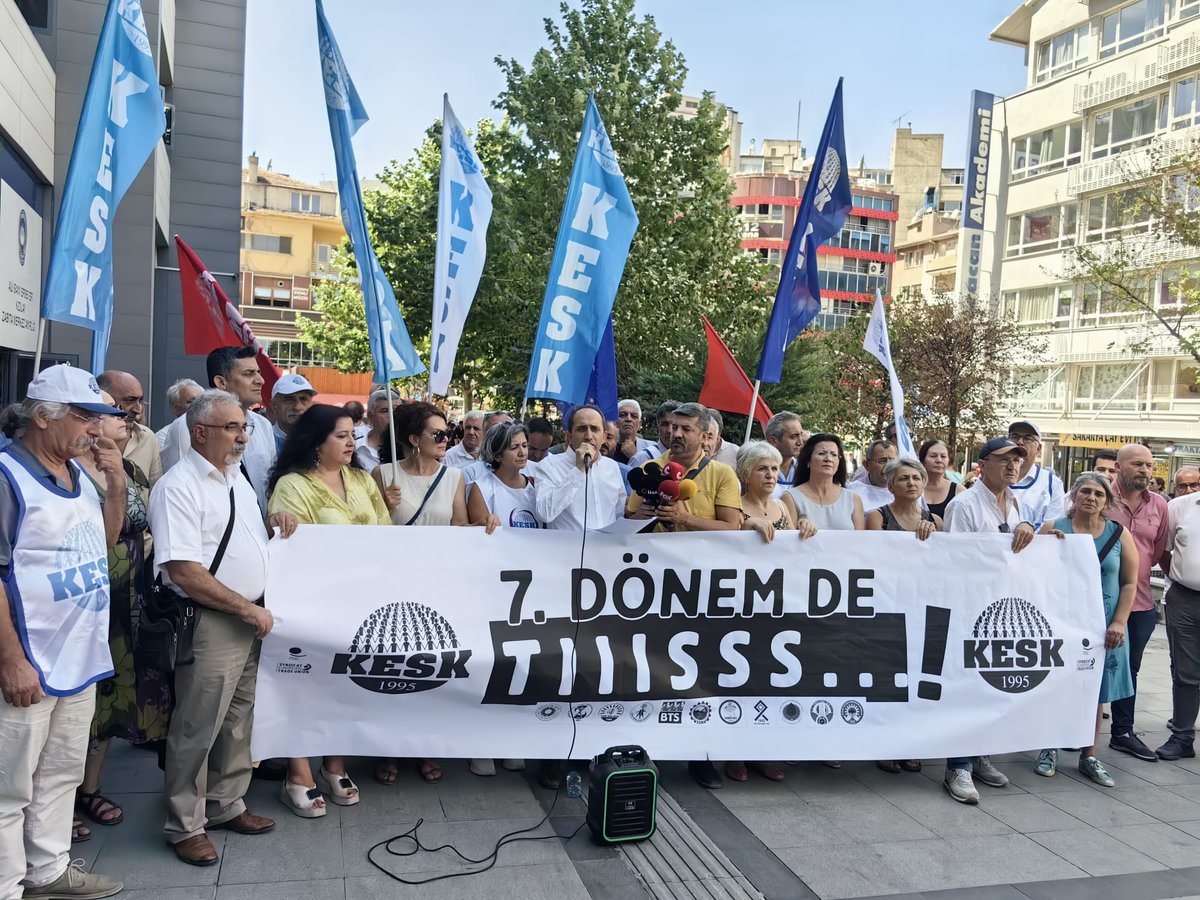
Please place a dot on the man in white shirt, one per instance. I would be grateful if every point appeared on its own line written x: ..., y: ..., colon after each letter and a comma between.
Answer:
x: 988, y: 506
x: 559, y: 492
x: 873, y: 488
x: 198, y: 501
x: 379, y: 412
x: 179, y: 397
x: 786, y: 434
x: 718, y: 448
x: 1040, y: 490
x: 629, y: 432
x: 477, y: 469
x: 234, y: 369
x: 466, y: 452
x: 1182, y: 562
x: 664, y: 417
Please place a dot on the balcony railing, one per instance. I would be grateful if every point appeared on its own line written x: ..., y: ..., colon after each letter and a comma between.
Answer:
x: 1172, y: 57
x: 1134, y: 165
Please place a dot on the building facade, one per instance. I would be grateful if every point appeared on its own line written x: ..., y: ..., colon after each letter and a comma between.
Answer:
x: 1109, y: 86
x: 188, y: 186
x: 290, y: 230
x: 853, y: 264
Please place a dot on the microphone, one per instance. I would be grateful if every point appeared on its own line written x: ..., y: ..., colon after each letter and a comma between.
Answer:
x: 587, y: 457
x: 687, y: 490
x: 669, y: 490
x: 674, y: 471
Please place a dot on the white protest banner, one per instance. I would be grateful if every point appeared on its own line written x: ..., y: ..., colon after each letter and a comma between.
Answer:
x: 448, y: 642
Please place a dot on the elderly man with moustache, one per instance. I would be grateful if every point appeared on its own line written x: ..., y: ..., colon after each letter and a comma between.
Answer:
x: 143, y: 449
x: 873, y: 488
x: 211, y: 547
x: 291, y: 396
x: 466, y: 454
x: 54, y: 540
x: 1182, y: 564
x: 629, y: 430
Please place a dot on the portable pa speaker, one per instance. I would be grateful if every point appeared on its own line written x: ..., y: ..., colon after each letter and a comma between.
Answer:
x: 622, y: 795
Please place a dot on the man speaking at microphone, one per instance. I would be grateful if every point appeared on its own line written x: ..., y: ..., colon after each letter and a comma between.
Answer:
x: 717, y: 502
x: 579, y: 481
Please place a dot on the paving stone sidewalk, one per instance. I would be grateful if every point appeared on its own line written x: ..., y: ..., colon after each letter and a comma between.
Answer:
x: 854, y: 832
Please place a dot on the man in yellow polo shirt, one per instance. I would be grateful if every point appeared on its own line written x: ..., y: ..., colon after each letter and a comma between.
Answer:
x: 717, y: 505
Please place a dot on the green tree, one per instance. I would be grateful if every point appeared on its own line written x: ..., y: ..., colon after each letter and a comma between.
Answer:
x: 340, y: 333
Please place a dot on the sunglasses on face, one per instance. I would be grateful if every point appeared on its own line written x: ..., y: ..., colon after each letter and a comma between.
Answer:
x: 439, y: 437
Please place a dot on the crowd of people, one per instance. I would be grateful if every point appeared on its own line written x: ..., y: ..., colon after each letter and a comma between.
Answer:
x: 97, y: 513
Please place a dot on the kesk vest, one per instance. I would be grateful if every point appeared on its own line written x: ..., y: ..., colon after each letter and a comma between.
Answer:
x: 57, y: 583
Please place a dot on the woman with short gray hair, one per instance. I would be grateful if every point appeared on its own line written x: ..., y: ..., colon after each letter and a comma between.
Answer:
x: 757, y: 467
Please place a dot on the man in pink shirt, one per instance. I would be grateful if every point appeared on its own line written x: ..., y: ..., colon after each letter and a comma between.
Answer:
x: 1144, y: 512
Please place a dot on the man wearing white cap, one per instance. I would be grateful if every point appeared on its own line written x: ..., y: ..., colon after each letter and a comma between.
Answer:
x: 54, y: 540
x: 1038, y: 488
x: 291, y: 396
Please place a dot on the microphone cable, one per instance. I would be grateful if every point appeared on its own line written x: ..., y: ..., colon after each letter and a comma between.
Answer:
x: 518, y: 835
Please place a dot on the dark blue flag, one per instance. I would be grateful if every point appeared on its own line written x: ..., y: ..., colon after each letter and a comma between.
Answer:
x: 602, y: 386
x: 824, y: 208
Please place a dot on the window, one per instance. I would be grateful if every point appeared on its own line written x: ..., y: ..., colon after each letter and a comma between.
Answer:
x: 1189, y: 8
x: 864, y: 202
x: 1185, y: 103
x: 309, y: 203
x: 1108, y: 387
x: 1063, y: 53
x: 1042, y: 229
x: 958, y: 177
x: 1047, y: 151
x: 1043, y: 307
x: 1115, y: 215
x: 1095, y: 308
x: 266, y: 243
x: 1177, y: 286
x: 1132, y: 26
x: 1129, y: 126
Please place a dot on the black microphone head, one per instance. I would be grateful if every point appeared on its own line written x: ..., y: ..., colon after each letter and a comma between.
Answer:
x: 636, y: 479
x: 653, y: 470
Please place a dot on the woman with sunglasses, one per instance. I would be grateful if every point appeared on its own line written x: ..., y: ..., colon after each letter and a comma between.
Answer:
x: 319, y: 479
x: 419, y: 490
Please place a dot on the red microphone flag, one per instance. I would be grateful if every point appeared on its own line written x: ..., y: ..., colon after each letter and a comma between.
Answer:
x: 210, y: 320
x: 726, y: 385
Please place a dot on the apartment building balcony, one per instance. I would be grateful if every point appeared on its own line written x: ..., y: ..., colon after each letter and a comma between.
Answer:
x: 1131, y: 166
x: 1172, y: 56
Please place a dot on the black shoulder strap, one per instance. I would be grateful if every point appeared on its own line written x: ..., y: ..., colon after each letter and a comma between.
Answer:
x: 428, y: 494
x: 691, y: 476
x: 216, y: 563
x: 1111, y: 542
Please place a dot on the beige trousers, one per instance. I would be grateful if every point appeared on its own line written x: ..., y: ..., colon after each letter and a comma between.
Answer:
x: 42, y: 750
x: 208, y: 745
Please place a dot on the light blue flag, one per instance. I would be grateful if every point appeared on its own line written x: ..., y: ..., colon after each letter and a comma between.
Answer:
x: 879, y: 345
x: 464, y: 211
x: 595, y: 231
x: 392, y: 351
x: 121, y: 123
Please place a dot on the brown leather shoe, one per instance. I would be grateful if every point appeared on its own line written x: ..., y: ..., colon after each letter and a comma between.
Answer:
x: 246, y: 823
x: 197, y: 850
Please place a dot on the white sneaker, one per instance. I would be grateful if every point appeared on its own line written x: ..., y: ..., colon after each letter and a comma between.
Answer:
x: 76, y: 884
x: 960, y: 786
x: 989, y: 774
x: 513, y: 765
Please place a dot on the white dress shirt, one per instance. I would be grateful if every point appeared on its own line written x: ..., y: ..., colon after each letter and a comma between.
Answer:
x: 727, y: 453
x: 653, y: 451
x: 559, y: 495
x: 1183, y: 540
x: 458, y: 458
x: 975, y: 509
x: 189, y: 511
x: 1042, y: 493
x: 873, y: 497
x: 368, y: 456
x: 258, y: 457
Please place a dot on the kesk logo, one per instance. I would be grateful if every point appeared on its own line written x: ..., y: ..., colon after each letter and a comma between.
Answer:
x: 1012, y: 646
x: 402, y: 648
x: 82, y: 563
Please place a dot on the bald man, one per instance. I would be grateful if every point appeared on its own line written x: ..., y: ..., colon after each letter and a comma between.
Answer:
x: 1138, y: 507
x: 143, y: 449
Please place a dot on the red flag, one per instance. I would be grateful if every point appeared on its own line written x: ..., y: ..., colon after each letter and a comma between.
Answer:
x: 210, y: 320
x: 726, y: 385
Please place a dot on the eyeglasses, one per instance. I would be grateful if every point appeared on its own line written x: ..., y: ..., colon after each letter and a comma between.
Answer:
x: 1007, y: 461
x: 439, y: 437
x: 1186, y: 487
x: 90, y: 420
x: 230, y: 427
x: 1023, y: 438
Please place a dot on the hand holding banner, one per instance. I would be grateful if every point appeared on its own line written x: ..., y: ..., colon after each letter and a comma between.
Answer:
x: 597, y: 226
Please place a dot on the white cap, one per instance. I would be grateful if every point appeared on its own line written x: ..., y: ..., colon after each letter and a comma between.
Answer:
x: 76, y: 387
x: 292, y: 383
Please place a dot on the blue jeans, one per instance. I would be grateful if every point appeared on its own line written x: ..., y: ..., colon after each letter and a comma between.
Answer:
x: 959, y: 762
x: 1137, y: 634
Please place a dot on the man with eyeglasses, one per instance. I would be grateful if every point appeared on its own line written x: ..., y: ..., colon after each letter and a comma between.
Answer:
x: 211, y: 547
x: 1138, y: 507
x: 142, y: 448
x: 989, y: 505
x: 1040, y: 489
x: 1187, y: 479
x: 233, y: 369
x: 54, y: 540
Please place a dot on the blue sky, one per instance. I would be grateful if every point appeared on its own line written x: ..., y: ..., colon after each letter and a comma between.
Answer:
x: 917, y: 60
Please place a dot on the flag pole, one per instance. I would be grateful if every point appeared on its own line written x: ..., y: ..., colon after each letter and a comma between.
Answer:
x: 392, y: 423
x: 753, y: 409
x: 37, y: 355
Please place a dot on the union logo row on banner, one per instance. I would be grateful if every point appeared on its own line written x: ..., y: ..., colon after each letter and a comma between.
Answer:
x: 845, y: 646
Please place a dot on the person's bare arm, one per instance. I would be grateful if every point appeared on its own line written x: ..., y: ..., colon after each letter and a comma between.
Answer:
x: 199, y: 585
x: 19, y: 681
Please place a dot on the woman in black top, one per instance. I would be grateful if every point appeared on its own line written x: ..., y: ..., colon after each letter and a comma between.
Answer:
x: 939, y: 490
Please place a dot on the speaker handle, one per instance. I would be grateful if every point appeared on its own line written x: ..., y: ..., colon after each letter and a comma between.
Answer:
x: 627, y: 751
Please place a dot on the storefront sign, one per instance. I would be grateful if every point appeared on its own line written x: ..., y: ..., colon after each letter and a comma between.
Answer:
x: 20, y: 270
x: 1097, y: 441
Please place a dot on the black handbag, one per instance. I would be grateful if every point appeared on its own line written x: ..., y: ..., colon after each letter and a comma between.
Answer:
x: 165, y: 621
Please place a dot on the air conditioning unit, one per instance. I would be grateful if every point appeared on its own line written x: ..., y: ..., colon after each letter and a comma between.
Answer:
x: 874, y: 268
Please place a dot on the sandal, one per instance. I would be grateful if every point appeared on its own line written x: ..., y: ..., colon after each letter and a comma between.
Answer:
x: 306, y: 802
x: 888, y: 765
x: 339, y: 787
x: 431, y: 772
x: 387, y: 772
x: 767, y: 770
x: 910, y: 765
x: 736, y: 771
x: 79, y: 831
x: 99, y: 808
